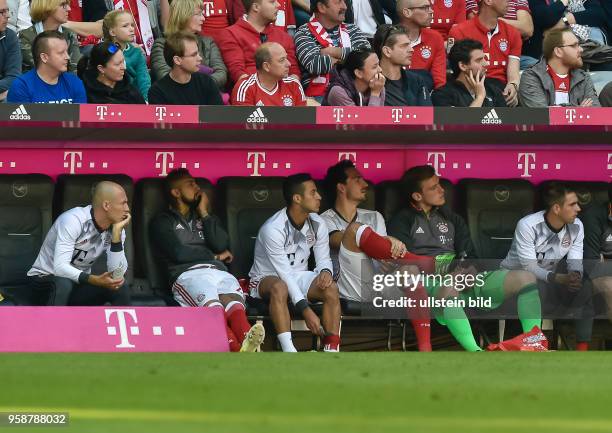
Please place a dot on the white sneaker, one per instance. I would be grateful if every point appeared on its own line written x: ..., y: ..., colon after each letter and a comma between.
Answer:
x: 254, y: 338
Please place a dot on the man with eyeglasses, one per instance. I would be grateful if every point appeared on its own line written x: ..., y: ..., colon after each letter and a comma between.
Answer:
x: 184, y: 84
x: 239, y: 41
x: 324, y: 41
x: 49, y: 82
x: 557, y: 79
x: 429, y: 55
x: 402, y: 87
x: 10, y: 54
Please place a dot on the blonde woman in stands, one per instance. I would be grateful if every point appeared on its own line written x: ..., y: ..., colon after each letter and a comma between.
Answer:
x: 49, y: 15
x: 119, y: 27
x: 188, y: 16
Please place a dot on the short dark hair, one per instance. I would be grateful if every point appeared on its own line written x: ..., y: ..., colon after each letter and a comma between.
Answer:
x: 175, y: 46
x: 173, y: 177
x: 386, y: 36
x: 41, y: 44
x: 461, y: 52
x: 554, y: 193
x: 248, y: 4
x: 336, y: 174
x: 294, y: 184
x: 356, y: 60
x: 413, y: 178
x: 314, y: 3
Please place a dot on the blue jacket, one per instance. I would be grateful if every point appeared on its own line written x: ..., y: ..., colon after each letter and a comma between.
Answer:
x: 10, y: 59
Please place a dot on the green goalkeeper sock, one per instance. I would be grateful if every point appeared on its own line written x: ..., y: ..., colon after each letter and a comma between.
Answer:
x: 459, y: 326
x: 529, y: 307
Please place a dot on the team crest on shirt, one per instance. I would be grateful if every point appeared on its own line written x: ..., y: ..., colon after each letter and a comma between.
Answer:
x: 426, y: 52
x: 448, y: 3
x: 288, y: 101
x: 565, y: 242
x: 442, y: 227
x: 310, y: 238
x: 503, y: 45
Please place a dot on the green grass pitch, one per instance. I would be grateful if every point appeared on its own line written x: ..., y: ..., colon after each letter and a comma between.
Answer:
x: 313, y: 392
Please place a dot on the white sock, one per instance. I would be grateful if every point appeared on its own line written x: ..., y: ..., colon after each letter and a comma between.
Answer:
x: 284, y: 338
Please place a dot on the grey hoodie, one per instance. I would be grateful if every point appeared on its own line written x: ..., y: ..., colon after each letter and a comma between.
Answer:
x: 537, y: 89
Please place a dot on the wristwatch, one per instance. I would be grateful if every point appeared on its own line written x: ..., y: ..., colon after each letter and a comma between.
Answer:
x: 565, y: 21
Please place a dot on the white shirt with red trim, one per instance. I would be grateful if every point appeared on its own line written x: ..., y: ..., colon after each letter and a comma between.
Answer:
x: 287, y: 93
x: 562, y: 86
x: 499, y: 45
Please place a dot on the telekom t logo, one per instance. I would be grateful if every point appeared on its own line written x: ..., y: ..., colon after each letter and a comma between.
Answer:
x: 256, y: 161
x: 397, y: 114
x: 208, y: 8
x: 570, y: 115
x: 101, y: 111
x: 160, y: 113
x: 526, y: 162
x: 438, y: 160
x: 73, y: 160
x: 339, y: 114
x: 166, y: 162
x: 351, y: 156
x: 123, y: 329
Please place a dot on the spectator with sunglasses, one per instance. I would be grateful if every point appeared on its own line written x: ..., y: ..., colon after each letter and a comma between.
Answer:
x: 50, y: 82
x: 239, y: 41
x: 403, y: 87
x: 105, y: 78
x: 429, y: 55
x: 49, y: 15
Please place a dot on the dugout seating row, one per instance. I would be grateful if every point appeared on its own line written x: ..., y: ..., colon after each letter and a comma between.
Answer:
x: 29, y: 204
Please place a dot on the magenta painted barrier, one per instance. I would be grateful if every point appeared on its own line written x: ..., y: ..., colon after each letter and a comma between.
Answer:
x: 377, y: 163
x: 112, y: 329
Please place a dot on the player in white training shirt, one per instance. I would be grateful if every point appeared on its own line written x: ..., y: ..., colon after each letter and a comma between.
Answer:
x: 541, y: 241
x: 61, y: 274
x: 280, y: 269
x: 353, y: 268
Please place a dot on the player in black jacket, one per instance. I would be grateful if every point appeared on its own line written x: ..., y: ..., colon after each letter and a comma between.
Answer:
x: 193, y: 247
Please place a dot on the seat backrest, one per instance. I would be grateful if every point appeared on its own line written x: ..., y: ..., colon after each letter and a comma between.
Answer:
x: 492, y: 209
x: 73, y: 190
x: 245, y: 203
x: 389, y: 196
x: 25, y: 218
x: 588, y: 193
x: 150, y: 200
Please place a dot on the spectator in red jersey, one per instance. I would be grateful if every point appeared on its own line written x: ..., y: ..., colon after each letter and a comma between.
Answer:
x: 429, y: 54
x: 187, y: 16
x: 184, y: 84
x: 447, y: 13
x: 557, y: 79
x: 48, y: 15
x: 324, y: 41
x: 271, y: 85
x: 502, y: 45
x: 518, y: 15
x: 402, y: 87
x: 88, y: 33
x: 359, y: 82
x: 239, y: 41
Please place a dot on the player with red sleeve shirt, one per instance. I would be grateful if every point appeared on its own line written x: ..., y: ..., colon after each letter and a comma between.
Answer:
x: 501, y: 44
x: 447, y: 13
x: 271, y: 84
x: 428, y: 53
